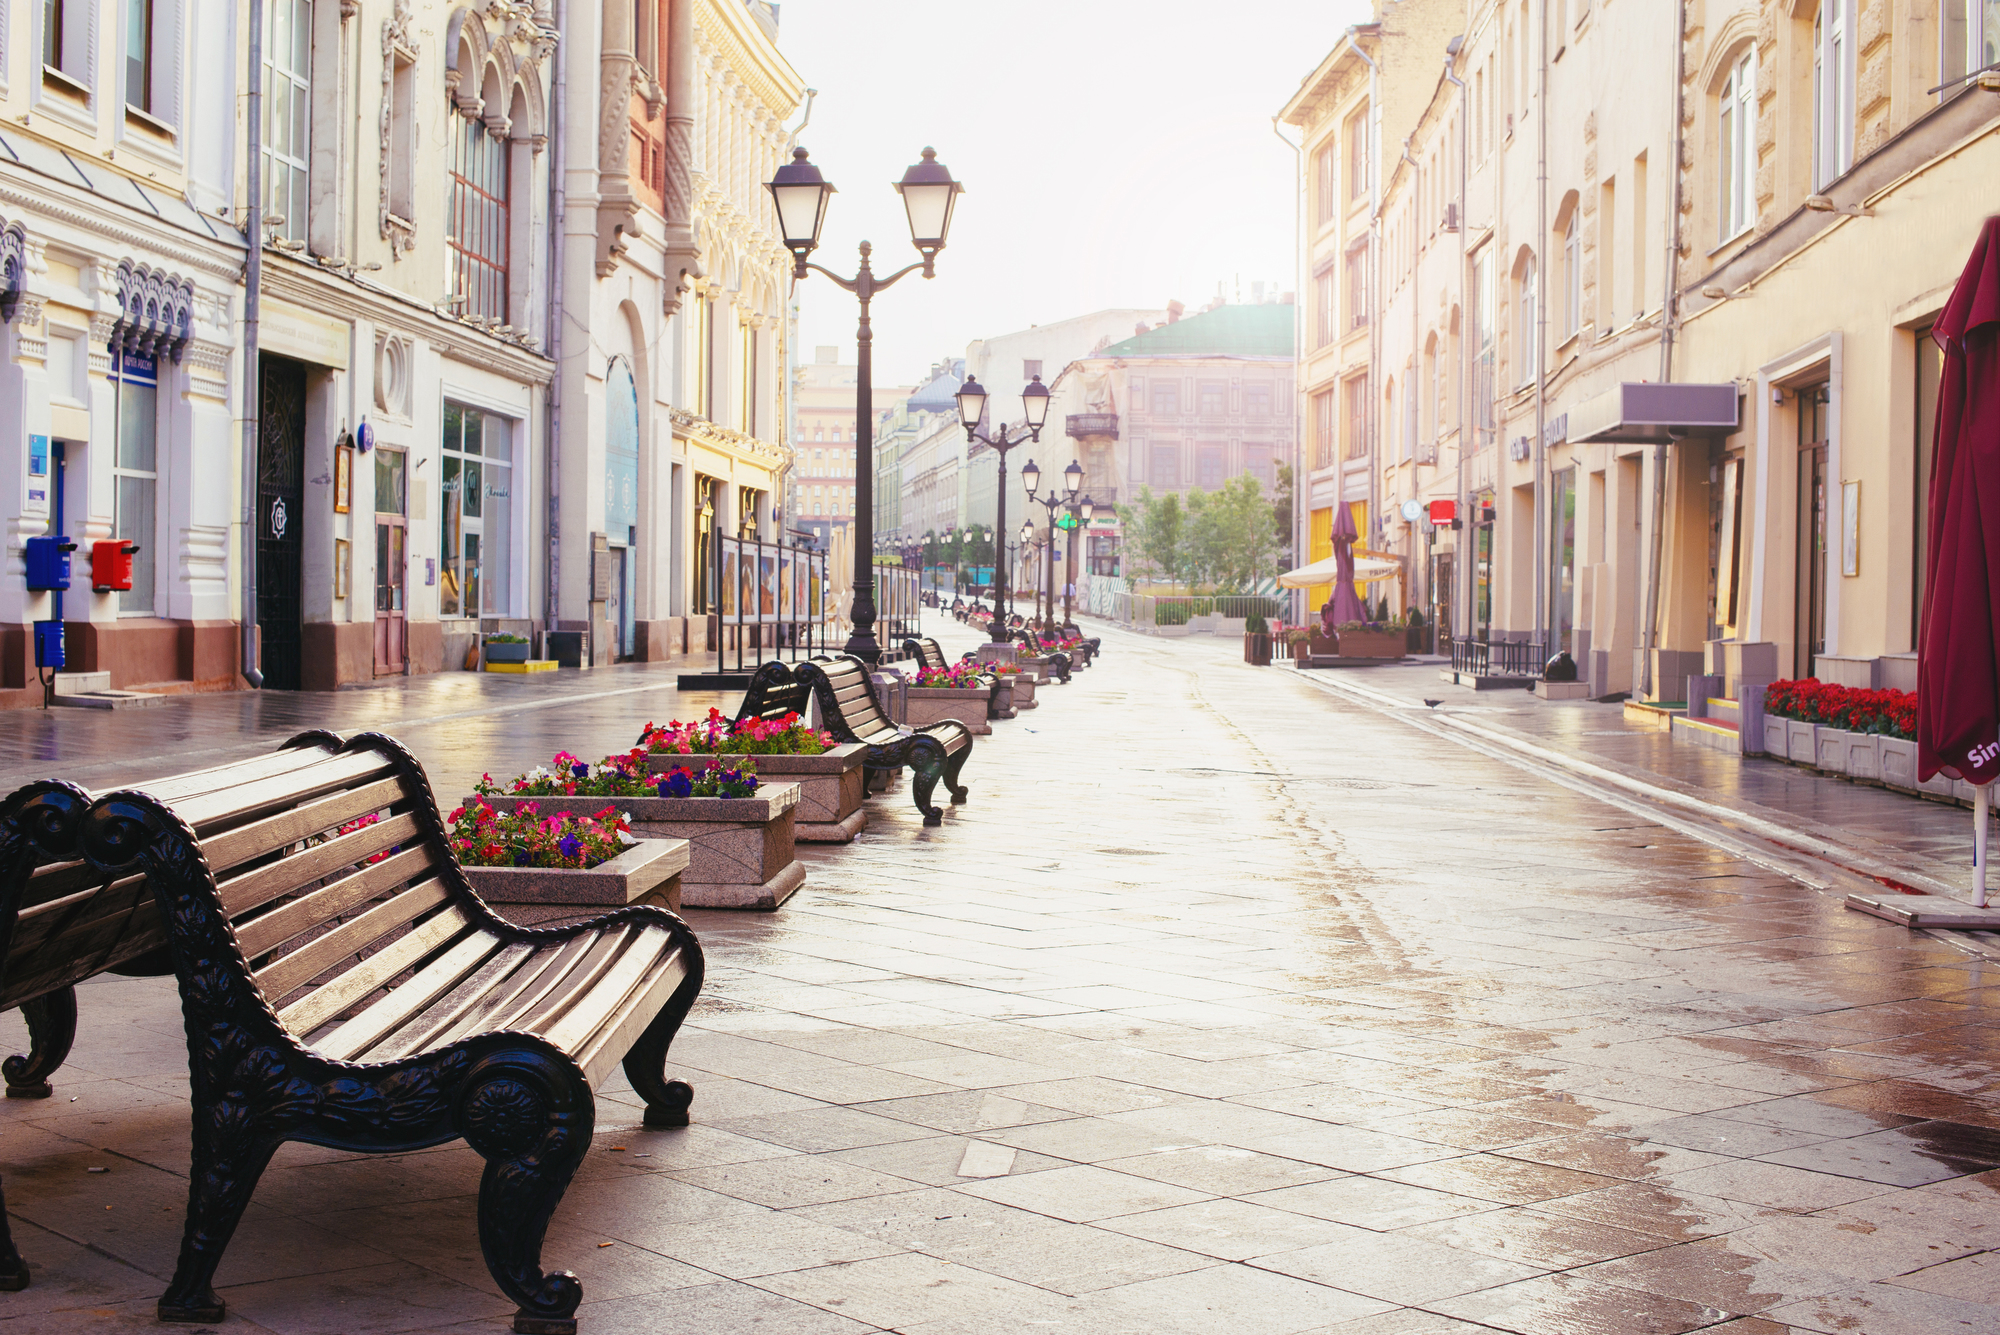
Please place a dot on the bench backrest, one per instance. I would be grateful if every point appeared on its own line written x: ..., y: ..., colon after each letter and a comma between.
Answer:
x: 773, y: 693
x: 925, y: 648
x: 847, y: 700
x: 327, y: 906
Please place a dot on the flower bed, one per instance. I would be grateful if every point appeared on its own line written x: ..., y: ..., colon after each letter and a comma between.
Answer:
x: 717, y: 735
x: 1868, y: 735
x: 962, y: 691
x: 1886, y: 713
x: 535, y: 868
x: 628, y: 775
x: 830, y: 782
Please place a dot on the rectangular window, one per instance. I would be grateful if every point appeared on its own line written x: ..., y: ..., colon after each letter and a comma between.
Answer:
x: 1166, y: 397
x: 1641, y: 250
x: 1356, y: 133
x: 1326, y: 182
x: 1209, y: 463
x: 477, y: 233
x: 135, y: 475
x: 1213, y: 398
x: 139, y: 54
x: 1322, y: 428
x: 1166, y: 466
x: 1529, y: 335
x: 1607, y: 250
x: 1484, y: 369
x: 748, y: 421
x: 1833, y: 92
x: 1326, y: 309
x: 52, y: 33
x: 1357, y: 288
x: 1030, y: 369
x: 1736, y: 149
x: 1969, y: 38
x: 402, y: 136
x: 707, y: 498
x: 1356, y: 391
x: 1572, y: 277
x: 1257, y: 400
x: 475, y: 546
x: 1257, y: 463
x: 287, y: 115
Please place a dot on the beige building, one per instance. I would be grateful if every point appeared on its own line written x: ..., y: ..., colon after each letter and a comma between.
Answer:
x: 821, y: 485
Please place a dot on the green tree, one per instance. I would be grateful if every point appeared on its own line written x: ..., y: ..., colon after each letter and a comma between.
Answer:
x: 1156, y: 537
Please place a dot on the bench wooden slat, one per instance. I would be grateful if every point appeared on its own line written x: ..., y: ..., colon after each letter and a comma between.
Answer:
x: 180, y: 787
x: 253, y: 889
x: 323, y: 1003
x: 240, y: 845
x: 549, y: 1007
x: 521, y: 988
x: 264, y: 934
x: 588, y: 1008
x: 406, y: 1002
x: 57, y: 880
x: 350, y: 938
x: 477, y: 986
x: 601, y: 1054
x: 207, y: 810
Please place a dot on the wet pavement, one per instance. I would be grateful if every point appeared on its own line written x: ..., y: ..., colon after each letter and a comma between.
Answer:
x: 1226, y: 1005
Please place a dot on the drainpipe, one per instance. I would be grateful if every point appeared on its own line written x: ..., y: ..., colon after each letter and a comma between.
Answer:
x: 1412, y: 413
x: 1374, y: 281
x: 1668, y: 312
x: 1298, y: 356
x: 1461, y: 575
x: 558, y: 275
x: 253, y: 281
x: 1544, y: 605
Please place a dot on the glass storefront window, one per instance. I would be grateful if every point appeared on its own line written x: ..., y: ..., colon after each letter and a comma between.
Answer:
x: 474, y: 547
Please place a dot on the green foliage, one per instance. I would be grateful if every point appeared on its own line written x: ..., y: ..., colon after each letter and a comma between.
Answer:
x: 1224, y: 539
x: 1256, y: 625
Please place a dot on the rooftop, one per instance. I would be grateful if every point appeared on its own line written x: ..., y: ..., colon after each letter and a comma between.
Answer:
x: 1226, y: 331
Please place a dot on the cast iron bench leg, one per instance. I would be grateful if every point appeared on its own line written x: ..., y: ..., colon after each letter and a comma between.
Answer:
x: 51, y: 1029
x: 221, y: 1178
x: 13, y: 1270
x: 667, y: 1101
x: 927, y: 762
x: 951, y: 769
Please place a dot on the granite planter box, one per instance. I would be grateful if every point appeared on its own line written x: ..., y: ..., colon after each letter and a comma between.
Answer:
x: 1036, y: 666
x: 1024, y: 690
x: 1801, y: 742
x: 1001, y: 705
x: 1862, y: 757
x: 1896, y: 758
x: 935, y: 704
x: 1830, y: 744
x: 1371, y: 644
x: 741, y: 850
x: 1774, y: 736
x: 649, y: 872
x: 830, y: 787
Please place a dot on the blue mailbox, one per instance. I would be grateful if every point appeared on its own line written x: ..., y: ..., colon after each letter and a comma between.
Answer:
x: 49, y: 651
x: 48, y: 562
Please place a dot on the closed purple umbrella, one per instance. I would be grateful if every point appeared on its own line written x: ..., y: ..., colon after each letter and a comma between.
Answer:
x: 1958, y: 665
x: 1343, y: 605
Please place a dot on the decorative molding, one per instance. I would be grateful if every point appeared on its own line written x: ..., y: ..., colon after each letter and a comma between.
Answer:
x: 701, y: 430
x: 156, y: 311
x: 109, y: 231
x: 13, y: 270
x: 393, y: 362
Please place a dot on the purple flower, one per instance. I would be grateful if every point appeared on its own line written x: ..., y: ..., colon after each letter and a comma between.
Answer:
x: 581, y: 771
x: 570, y: 845
x: 678, y: 784
x: 750, y: 782
x: 522, y: 857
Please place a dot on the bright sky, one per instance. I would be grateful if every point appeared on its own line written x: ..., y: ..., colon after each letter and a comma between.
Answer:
x: 1114, y: 153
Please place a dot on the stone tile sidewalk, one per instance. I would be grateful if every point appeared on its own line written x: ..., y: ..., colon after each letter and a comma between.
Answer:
x: 1224, y: 1006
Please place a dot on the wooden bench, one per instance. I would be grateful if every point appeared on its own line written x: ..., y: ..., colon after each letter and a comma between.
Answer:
x: 342, y: 985
x: 1094, y: 642
x: 848, y: 710
x: 1059, y: 662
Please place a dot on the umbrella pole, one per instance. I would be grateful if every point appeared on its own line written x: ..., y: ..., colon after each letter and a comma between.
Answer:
x: 1981, y: 810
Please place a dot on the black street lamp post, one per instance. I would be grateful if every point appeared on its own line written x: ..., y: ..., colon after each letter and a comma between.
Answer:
x: 1034, y: 412
x: 1063, y: 499
x: 800, y: 194
x: 1082, y: 510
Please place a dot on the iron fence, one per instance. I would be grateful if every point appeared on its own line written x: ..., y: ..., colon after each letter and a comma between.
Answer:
x: 1499, y: 658
x: 770, y: 601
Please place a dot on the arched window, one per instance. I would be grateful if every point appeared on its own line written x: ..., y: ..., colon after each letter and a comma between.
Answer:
x: 1736, y: 146
x: 478, y: 227
x: 1572, y: 276
x: 1525, y: 340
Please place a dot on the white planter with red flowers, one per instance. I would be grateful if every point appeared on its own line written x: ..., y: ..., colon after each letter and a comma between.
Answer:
x: 1831, y: 747
x: 1801, y: 742
x: 1897, y: 762
x: 1861, y: 756
x: 828, y: 773
x: 741, y: 832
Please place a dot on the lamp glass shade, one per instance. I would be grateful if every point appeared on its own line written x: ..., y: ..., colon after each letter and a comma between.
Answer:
x: 928, y: 195
x: 1084, y: 508
x: 1031, y: 476
x: 971, y: 402
x: 1035, y: 403
x: 1027, y: 532
x: 799, y: 193
x: 1073, y: 478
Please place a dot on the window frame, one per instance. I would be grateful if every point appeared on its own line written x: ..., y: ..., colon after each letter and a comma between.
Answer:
x: 141, y: 600
x: 1832, y: 101
x: 1527, y: 297
x: 288, y: 169
x: 1572, y: 249
x: 1736, y: 146
x: 473, y: 199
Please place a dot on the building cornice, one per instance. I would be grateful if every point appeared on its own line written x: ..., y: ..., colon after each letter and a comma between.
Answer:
x: 750, y: 55
x: 45, y: 200
x: 704, y: 432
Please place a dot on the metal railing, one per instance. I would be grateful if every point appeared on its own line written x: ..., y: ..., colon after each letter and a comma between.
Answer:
x: 1499, y: 658
x: 1081, y: 425
x: 770, y: 601
x: 1178, y: 609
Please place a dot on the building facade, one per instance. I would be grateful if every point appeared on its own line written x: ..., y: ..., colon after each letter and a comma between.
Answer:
x: 821, y: 493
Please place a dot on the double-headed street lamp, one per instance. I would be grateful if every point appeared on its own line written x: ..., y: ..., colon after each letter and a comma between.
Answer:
x: 1065, y: 499
x: 800, y: 194
x: 1034, y: 413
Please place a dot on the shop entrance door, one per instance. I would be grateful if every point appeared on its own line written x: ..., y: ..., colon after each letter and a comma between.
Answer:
x: 281, y: 445
x: 1810, y: 600
x: 391, y: 560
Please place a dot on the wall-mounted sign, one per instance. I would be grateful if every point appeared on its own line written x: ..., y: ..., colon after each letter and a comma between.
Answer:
x: 38, y: 456
x: 1413, y: 510
x: 364, y: 438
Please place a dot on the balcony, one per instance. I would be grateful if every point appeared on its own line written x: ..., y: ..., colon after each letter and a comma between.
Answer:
x: 1082, y: 426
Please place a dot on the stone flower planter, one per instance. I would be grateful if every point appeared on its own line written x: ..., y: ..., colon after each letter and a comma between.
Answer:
x: 1036, y: 666
x: 741, y: 852
x: 1801, y: 746
x: 1001, y: 704
x: 1371, y: 644
x: 1830, y: 746
x: 649, y: 872
x: 1774, y: 736
x: 935, y: 704
x: 1024, y: 689
x: 1862, y: 757
x: 1897, y: 761
x: 830, y: 787
x: 1257, y: 650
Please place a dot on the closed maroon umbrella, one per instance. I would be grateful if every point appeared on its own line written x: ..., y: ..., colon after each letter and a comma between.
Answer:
x: 1343, y: 605
x: 1958, y: 662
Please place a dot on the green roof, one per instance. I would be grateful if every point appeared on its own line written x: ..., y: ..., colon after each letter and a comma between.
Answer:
x: 1226, y: 331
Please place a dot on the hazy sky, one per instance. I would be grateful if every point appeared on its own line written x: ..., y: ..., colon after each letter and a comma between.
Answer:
x: 1114, y: 153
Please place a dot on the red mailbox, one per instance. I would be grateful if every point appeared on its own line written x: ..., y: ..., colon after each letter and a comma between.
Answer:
x: 111, y: 564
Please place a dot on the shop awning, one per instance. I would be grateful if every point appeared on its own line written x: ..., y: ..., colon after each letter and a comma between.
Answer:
x: 1367, y: 569
x: 1650, y: 414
